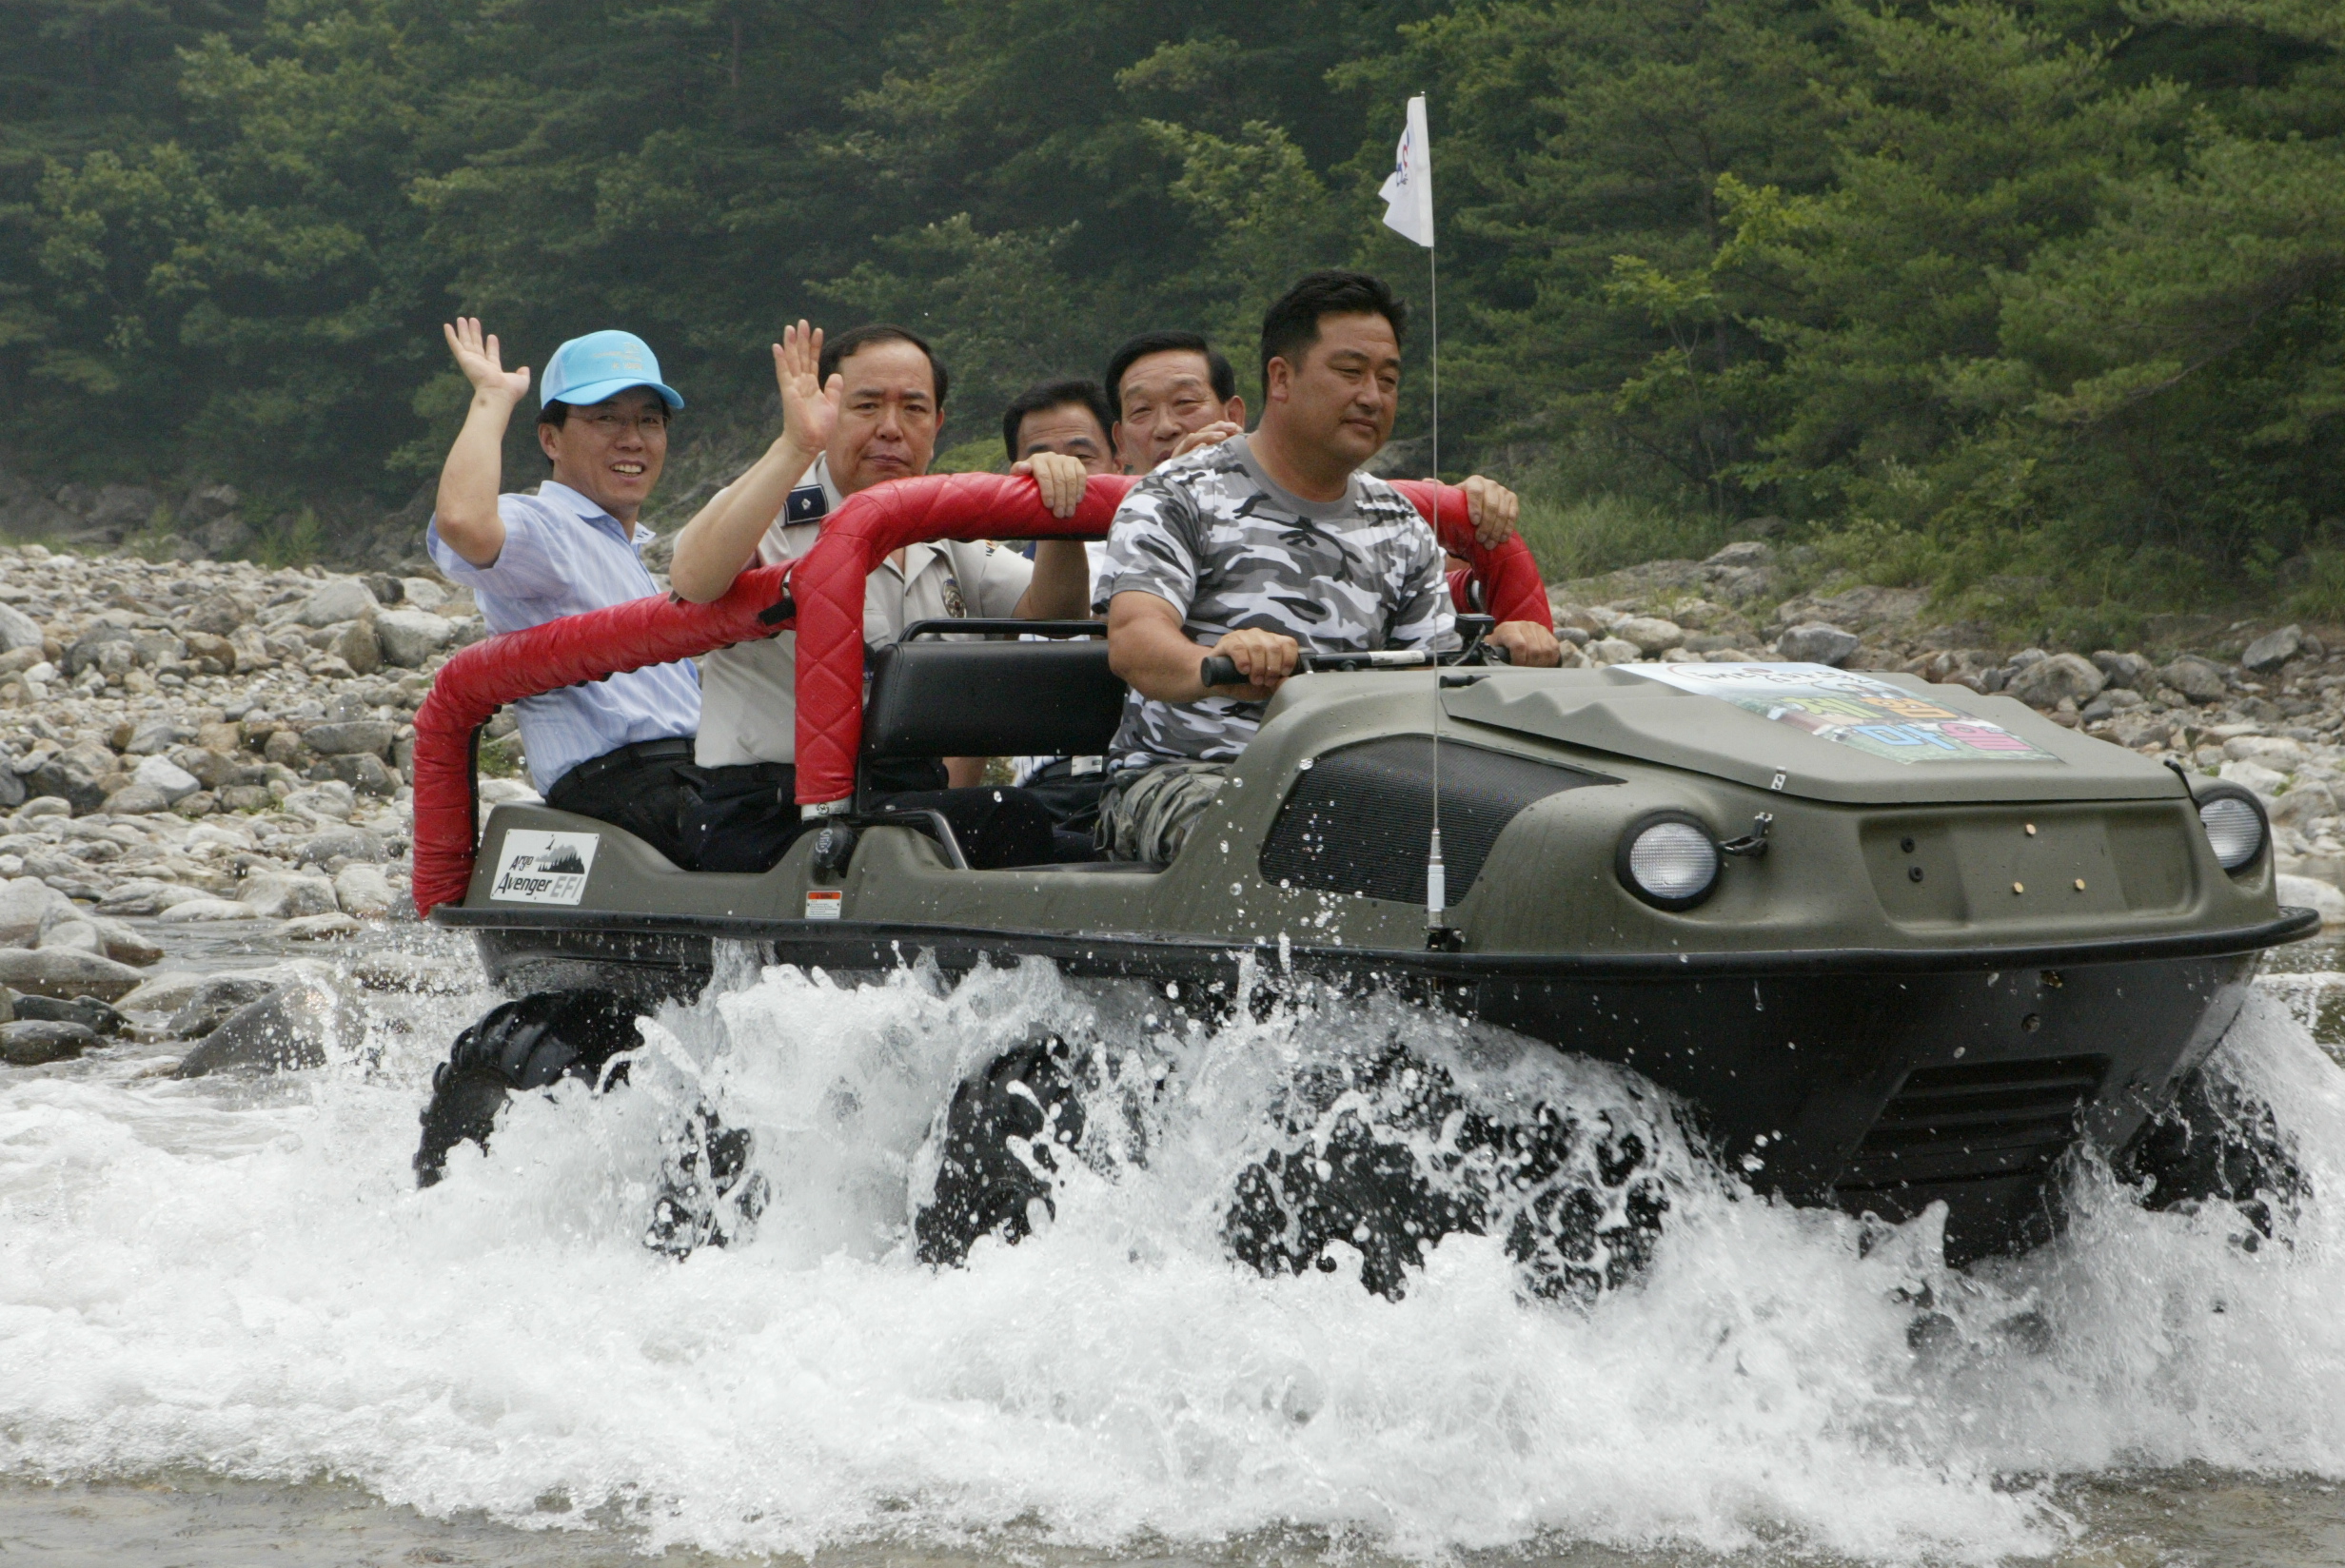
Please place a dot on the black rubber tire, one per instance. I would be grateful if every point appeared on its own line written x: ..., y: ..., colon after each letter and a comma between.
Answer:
x: 525, y: 1044
x: 984, y: 1186
x: 2217, y: 1143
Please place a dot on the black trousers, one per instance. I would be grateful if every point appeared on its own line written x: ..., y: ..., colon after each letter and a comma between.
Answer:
x: 1073, y: 800
x: 747, y: 818
x: 649, y: 789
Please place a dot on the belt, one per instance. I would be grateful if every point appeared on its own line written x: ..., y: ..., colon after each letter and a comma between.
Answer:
x: 640, y: 755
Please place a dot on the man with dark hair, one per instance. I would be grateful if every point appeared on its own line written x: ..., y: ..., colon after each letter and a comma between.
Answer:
x: 1069, y: 416
x: 618, y: 748
x: 862, y: 409
x: 1170, y: 393
x: 1221, y: 551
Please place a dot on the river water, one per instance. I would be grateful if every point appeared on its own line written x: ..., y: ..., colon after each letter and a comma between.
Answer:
x: 232, y: 1331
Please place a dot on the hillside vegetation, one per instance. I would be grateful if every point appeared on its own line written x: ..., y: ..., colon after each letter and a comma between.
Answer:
x: 2042, y: 305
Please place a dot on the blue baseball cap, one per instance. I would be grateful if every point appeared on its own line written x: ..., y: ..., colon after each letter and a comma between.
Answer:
x: 603, y: 364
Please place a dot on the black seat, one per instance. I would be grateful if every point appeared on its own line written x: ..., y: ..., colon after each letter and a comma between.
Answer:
x: 994, y: 699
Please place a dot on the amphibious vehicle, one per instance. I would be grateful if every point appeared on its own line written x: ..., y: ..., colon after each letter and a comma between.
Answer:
x: 1893, y: 943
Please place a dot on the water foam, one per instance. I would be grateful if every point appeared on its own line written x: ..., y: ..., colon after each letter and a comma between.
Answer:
x: 243, y: 1279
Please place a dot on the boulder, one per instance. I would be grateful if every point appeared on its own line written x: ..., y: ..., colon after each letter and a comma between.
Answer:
x: 87, y: 652
x: 320, y: 927
x: 357, y: 646
x: 287, y: 896
x: 124, y: 942
x: 205, y: 1005
x: 157, y: 735
x: 1816, y: 642
x: 73, y: 775
x: 18, y: 631
x: 2199, y: 680
x: 2138, y: 729
x: 27, y: 905
x: 87, y: 1012
x: 2274, y: 649
x: 1650, y: 634
x: 209, y: 909
x: 144, y: 896
x: 2309, y: 893
x: 300, y: 1024
x: 363, y: 890
x: 2256, y: 776
x: 2272, y: 751
x: 37, y: 1043
x: 137, y: 799
x: 342, y: 843
x: 335, y: 600
x: 161, y: 774
x: 364, y: 771
x: 1612, y: 650
x: 2046, y: 682
x: 410, y: 636
x: 2304, y: 803
x: 218, y: 617
x: 62, y: 972
x: 422, y: 593
x: 350, y: 735
x: 2130, y: 671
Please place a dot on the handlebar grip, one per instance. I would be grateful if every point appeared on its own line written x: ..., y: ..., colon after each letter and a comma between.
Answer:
x: 1219, y: 670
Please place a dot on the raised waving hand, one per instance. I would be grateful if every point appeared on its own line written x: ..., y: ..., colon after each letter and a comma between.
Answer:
x: 481, y: 361
x: 809, y: 409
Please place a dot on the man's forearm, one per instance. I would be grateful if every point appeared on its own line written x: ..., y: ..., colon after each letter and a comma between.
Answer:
x: 1062, y: 585
x: 723, y: 537
x: 464, y: 510
x: 1151, y: 654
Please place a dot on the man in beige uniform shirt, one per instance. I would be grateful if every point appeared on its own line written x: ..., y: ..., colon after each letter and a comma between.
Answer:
x: 858, y: 411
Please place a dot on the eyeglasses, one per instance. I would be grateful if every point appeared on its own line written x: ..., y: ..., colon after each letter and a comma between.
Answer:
x: 611, y: 424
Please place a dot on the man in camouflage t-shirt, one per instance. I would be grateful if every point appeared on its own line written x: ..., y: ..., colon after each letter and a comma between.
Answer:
x: 1257, y: 549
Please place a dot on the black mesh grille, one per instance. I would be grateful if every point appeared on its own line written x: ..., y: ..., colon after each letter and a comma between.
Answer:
x: 1975, y: 1120
x: 1357, y: 820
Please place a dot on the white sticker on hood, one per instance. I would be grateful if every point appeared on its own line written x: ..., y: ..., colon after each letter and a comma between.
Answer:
x: 1872, y: 715
x: 544, y: 868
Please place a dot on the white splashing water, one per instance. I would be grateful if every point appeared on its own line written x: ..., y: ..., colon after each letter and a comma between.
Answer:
x: 243, y: 1278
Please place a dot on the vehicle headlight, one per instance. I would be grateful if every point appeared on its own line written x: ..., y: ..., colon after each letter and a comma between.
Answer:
x: 1670, y: 860
x: 2234, y: 828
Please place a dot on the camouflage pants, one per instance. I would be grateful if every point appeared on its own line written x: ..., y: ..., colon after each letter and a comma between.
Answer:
x: 1146, y: 814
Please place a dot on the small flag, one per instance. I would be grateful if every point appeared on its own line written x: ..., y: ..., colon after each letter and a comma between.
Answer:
x: 1409, y: 194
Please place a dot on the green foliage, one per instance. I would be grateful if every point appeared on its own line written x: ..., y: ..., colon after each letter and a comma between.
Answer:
x: 2039, y: 302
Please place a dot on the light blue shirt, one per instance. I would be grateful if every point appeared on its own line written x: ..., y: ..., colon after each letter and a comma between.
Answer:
x: 563, y: 554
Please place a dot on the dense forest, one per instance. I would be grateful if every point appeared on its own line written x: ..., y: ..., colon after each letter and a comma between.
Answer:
x: 2042, y: 302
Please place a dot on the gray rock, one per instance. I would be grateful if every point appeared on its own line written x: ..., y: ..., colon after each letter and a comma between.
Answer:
x: 2047, y: 681
x: 300, y: 1024
x: 335, y: 600
x: 137, y: 799
x: 219, y: 616
x: 2199, y: 680
x: 1742, y: 552
x: 2138, y: 729
x: 1612, y: 650
x: 422, y: 593
x: 1650, y: 634
x: 346, y: 843
x: 287, y: 896
x: 209, y: 1004
x: 37, y: 1043
x: 163, y: 774
x: 157, y: 735
x: 73, y: 775
x: 357, y: 646
x: 349, y: 735
x: 364, y: 771
x: 1816, y: 642
x: 62, y: 972
x: 26, y: 906
x: 87, y: 651
x: 410, y: 636
x: 2274, y: 649
x: 123, y: 943
x: 2130, y: 671
x: 2305, y: 803
x: 363, y: 890
x: 18, y: 630
x: 87, y: 1012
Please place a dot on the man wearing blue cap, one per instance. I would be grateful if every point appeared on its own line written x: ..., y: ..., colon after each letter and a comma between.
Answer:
x: 621, y: 749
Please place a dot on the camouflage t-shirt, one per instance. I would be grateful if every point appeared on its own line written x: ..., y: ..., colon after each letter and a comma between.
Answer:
x: 1214, y: 536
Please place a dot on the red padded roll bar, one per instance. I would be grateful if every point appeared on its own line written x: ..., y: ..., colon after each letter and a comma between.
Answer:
x: 827, y: 585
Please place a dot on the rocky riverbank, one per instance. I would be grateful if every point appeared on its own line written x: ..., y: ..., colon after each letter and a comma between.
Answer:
x: 194, y: 747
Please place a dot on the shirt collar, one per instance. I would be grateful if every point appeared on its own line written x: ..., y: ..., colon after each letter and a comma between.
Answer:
x: 557, y: 494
